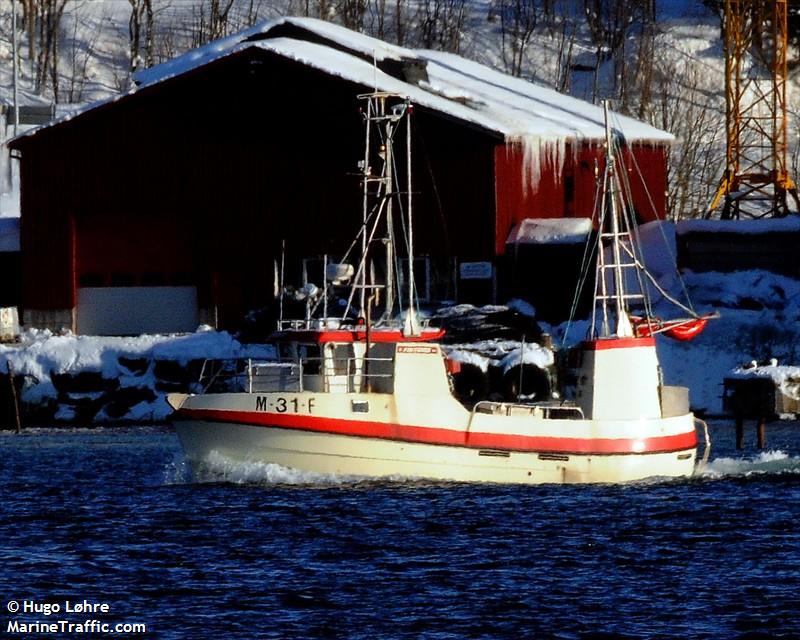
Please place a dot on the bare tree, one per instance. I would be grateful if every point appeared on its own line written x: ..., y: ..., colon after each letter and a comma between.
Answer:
x: 218, y: 18
x: 49, y: 13
x: 608, y: 22
x: 378, y: 16
x: 352, y: 13
x: 210, y: 20
x: 80, y: 50
x: 401, y: 21
x: 440, y: 24
x: 518, y: 20
x: 566, y: 43
x: 696, y: 116
x: 141, y: 20
x: 29, y: 19
x: 255, y: 11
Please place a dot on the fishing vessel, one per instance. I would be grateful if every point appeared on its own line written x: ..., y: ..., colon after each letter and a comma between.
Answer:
x: 371, y: 397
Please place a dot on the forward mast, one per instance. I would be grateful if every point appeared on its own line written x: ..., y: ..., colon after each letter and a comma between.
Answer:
x: 385, y: 116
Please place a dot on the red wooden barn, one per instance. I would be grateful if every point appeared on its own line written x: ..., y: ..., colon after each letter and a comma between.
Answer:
x: 168, y: 205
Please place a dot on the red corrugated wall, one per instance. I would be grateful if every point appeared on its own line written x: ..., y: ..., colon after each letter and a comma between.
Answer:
x: 569, y: 190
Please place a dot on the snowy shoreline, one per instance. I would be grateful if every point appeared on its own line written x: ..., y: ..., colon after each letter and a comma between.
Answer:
x: 107, y: 380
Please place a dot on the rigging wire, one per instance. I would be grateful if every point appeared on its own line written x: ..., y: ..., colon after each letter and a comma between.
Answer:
x: 362, y: 264
x: 406, y: 231
x: 688, y: 307
x: 633, y: 248
x: 588, y: 251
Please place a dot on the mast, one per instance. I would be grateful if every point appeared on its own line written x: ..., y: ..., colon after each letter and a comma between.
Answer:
x: 612, y: 209
x: 385, y: 116
x: 365, y: 203
x: 619, y: 255
x: 388, y: 183
x: 623, y: 323
x: 411, y: 326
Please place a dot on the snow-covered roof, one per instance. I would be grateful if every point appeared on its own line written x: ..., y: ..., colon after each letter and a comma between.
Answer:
x: 765, y: 225
x: 785, y: 377
x: 550, y: 231
x: 515, y: 109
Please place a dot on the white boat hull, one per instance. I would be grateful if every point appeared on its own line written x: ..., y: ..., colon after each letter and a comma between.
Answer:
x: 417, y: 429
x: 327, y: 453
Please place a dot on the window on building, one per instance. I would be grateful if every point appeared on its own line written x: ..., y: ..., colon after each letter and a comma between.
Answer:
x: 122, y: 280
x: 152, y: 280
x: 91, y: 280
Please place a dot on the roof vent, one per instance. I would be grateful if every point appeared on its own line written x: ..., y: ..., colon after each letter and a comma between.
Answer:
x: 411, y: 70
x: 414, y: 70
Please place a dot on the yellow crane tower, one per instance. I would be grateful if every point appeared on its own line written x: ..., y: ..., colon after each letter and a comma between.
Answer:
x: 756, y: 182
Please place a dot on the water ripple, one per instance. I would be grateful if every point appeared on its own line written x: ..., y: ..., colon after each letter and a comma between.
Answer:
x: 246, y: 551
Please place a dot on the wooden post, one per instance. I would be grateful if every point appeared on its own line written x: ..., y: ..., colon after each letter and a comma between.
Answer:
x: 14, y: 396
x: 761, y: 432
x: 739, y: 432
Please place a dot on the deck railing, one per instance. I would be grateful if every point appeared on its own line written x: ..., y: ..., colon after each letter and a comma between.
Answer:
x: 245, y: 375
x: 348, y: 324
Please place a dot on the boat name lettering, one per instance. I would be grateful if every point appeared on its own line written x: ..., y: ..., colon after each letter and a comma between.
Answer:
x: 284, y: 405
x: 417, y: 349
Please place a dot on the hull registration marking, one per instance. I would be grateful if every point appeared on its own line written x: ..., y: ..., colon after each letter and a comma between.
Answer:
x: 284, y: 405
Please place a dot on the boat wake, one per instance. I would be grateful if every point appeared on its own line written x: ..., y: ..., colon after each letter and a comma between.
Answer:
x: 765, y: 463
x: 216, y: 468
x: 219, y: 469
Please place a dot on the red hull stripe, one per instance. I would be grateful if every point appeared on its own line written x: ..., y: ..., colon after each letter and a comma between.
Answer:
x: 618, y: 343
x: 441, y: 436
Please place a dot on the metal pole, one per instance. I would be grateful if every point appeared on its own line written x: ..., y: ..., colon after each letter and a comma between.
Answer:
x: 411, y: 283
x: 739, y: 432
x: 325, y: 287
x: 521, y: 364
x: 364, y: 207
x: 14, y: 397
x: 14, y: 55
x: 388, y: 186
x: 761, y: 432
x: 280, y: 293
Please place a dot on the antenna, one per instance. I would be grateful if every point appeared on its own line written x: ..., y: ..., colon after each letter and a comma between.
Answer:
x: 280, y: 298
x: 16, y: 71
x: 412, y: 326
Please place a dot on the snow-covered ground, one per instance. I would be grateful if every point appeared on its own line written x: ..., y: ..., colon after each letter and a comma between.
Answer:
x: 41, y: 356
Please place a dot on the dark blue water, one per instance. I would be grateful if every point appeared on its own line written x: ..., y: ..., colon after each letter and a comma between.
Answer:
x: 113, y: 516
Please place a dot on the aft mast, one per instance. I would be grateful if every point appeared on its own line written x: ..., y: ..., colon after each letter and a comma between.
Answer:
x: 621, y: 278
x: 611, y: 297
